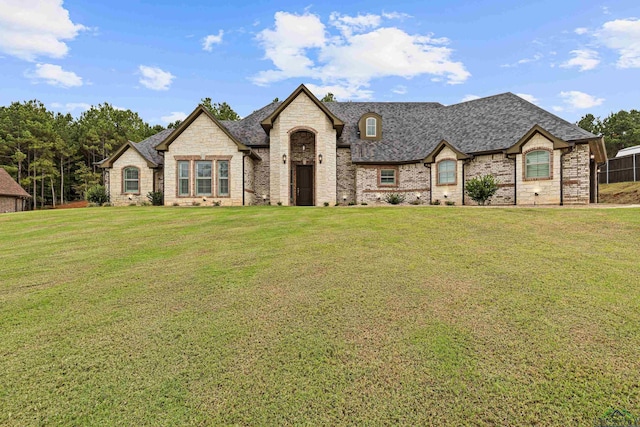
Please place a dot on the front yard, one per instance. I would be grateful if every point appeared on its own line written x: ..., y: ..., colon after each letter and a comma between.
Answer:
x: 323, y: 316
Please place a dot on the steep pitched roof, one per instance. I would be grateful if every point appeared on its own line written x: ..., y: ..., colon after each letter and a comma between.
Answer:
x: 267, y: 122
x: 145, y: 148
x: 9, y: 187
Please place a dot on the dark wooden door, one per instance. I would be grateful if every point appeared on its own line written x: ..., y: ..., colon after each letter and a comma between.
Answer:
x: 304, y: 185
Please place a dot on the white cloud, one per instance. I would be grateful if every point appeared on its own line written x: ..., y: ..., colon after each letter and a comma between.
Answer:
x: 581, y: 30
x: 584, y: 59
x: 210, y: 40
x: 605, y: 10
x: 301, y: 46
x: 534, y: 58
x: 469, y: 98
x: 342, y: 92
x: 395, y: 15
x: 173, y: 116
x: 154, y: 78
x: 622, y: 35
x: 71, y: 106
x: 32, y: 28
x: 54, y: 75
x: 576, y: 100
x: 528, y: 97
x: 400, y: 89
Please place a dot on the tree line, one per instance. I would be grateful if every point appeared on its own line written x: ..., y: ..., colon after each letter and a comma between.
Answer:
x: 620, y: 130
x: 54, y: 156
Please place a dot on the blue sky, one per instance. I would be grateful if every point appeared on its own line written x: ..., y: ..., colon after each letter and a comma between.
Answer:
x: 160, y: 58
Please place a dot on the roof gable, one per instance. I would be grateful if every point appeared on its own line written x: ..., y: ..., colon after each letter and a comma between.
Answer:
x: 164, y: 145
x: 108, y: 163
x: 535, y: 130
x: 431, y: 157
x: 9, y: 187
x: 267, y: 123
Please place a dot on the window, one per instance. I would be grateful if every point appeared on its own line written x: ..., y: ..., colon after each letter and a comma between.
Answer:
x: 203, y: 178
x: 537, y: 164
x: 447, y: 172
x: 131, y: 180
x: 223, y: 178
x: 183, y: 178
x: 371, y: 126
x: 387, y: 176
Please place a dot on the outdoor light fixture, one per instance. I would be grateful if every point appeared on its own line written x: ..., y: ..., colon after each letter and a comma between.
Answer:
x: 130, y: 197
x: 284, y: 158
x: 378, y: 196
x: 418, y: 196
x: 304, y: 147
x: 536, y: 194
x: 446, y: 195
x: 264, y: 197
x: 204, y: 199
x: 319, y: 158
x: 344, y: 197
x: 592, y: 156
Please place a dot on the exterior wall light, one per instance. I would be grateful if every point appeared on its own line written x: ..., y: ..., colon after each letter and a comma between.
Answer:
x: 130, y: 197
x: 344, y: 197
x: 418, y: 196
x: 284, y: 158
x: 593, y: 156
x: 445, y: 195
x: 304, y: 147
x: 378, y: 196
x: 536, y: 194
x: 204, y: 199
x: 264, y: 197
x: 319, y: 158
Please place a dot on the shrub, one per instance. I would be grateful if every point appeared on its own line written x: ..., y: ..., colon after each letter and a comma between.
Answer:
x: 216, y: 203
x: 480, y: 189
x: 279, y: 203
x: 416, y: 202
x: 364, y: 203
x: 97, y: 194
x: 449, y: 203
x: 106, y: 204
x: 352, y: 203
x: 436, y: 202
x: 155, y: 198
x: 326, y: 204
x: 394, y: 198
x: 194, y: 203
x: 176, y: 204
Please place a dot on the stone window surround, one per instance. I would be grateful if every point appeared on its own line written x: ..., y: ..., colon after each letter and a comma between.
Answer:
x: 455, y: 172
x: 192, y: 183
x: 396, y: 172
x: 122, y: 184
x: 524, y: 164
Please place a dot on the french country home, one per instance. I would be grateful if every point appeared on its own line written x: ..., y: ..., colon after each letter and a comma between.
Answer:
x: 309, y: 153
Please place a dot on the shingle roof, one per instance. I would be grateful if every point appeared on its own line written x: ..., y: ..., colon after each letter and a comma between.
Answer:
x: 148, y: 147
x: 9, y: 187
x: 411, y: 130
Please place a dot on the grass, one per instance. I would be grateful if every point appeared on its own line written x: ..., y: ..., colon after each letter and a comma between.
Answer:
x: 281, y: 316
x: 620, y: 192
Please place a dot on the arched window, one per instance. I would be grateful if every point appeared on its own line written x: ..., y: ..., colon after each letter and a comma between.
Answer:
x: 371, y: 126
x: 537, y: 164
x: 131, y: 180
x: 447, y: 172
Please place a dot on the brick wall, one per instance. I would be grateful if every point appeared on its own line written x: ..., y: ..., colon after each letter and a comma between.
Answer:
x: 449, y: 192
x: 548, y: 189
x: 249, y: 181
x: 575, y: 175
x: 345, y: 177
x: 261, y: 176
x: 411, y: 180
x: 501, y: 167
x: 9, y: 204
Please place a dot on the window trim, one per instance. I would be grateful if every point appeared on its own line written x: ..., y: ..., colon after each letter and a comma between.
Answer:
x: 178, y: 178
x: 123, y: 184
x: 524, y: 164
x: 362, y: 126
x: 196, y: 178
x: 396, y: 176
x: 375, y: 127
x: 455, y: 171
x: 228, y: 161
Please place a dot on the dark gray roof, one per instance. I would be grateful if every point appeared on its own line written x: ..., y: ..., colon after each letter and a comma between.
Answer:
x: 411, y: 130
x: 148, y: 147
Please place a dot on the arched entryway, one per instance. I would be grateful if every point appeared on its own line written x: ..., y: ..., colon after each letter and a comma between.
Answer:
x: 302, y: 152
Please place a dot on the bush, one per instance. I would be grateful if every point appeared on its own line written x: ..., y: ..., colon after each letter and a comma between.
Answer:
x: 97, y: 194
x: 352, y: 203
x: 176, y: 204
x: 326, y: 204
x: 449, y: 203
x: 217, y: 203
x: 416, y: 202
x: 155, y: 198
x: 480, y: 189
x: 435, y: 202
x: 394, y: 198
x: 194, y: 203
x: 364, y: 204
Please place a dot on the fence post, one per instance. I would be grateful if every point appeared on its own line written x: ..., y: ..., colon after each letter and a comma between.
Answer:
x: 634, y: 168
x: 607, y: 171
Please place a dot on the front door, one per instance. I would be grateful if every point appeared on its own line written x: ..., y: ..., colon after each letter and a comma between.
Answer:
x: 304, y: 185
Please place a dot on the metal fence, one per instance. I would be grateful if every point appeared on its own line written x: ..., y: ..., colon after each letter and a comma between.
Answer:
x: 620, y: 169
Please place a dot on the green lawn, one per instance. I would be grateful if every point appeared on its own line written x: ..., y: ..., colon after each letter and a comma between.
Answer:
x: 319, y: 316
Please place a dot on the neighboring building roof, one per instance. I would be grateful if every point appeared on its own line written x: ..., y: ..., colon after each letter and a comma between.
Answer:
x: 9, y: 187
x: 629, y: 151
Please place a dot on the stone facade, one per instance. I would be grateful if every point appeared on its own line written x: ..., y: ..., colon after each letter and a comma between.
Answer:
x: 575, y: 175
x: 548, y: 189
x: 447, y: 192
x: 501, y: 167
x: 11, y: 204
x: 302, y: 114
x: 249, y: 181
x: 146, y: 175
x: 261, y: 172
x: 412, y: 181
x: 203, y: 140
x: 345, y: 177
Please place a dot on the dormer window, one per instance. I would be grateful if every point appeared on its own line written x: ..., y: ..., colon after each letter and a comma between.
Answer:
x: 371, y: 127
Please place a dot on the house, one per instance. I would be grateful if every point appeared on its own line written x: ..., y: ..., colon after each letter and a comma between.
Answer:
x: 12, y: 195
x: 305, y: 152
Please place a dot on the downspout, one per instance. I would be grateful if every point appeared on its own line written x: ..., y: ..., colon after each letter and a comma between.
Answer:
x: 462, y: 183
x: 515, y: 179
x: 243, y: 177
x: 426, y: 165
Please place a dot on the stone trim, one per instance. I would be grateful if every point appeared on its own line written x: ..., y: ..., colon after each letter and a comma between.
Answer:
x: 301, y: 129
x: 409, y: 190
x: 122, y: 180
x: 218, y: 157
x: 187, y: 158
x: 524, y: 164
x: 396, y: 172
x: 455, y: 172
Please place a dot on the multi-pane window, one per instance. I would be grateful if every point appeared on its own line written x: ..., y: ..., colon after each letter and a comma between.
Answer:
x: 447, y: 172
x: 203, y: 178
x: 371, y: 126
x: 537, y: 164
x: 131, y: 180
x: 223, y: 178
x: 183, y: 178
x: 387, y: 177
